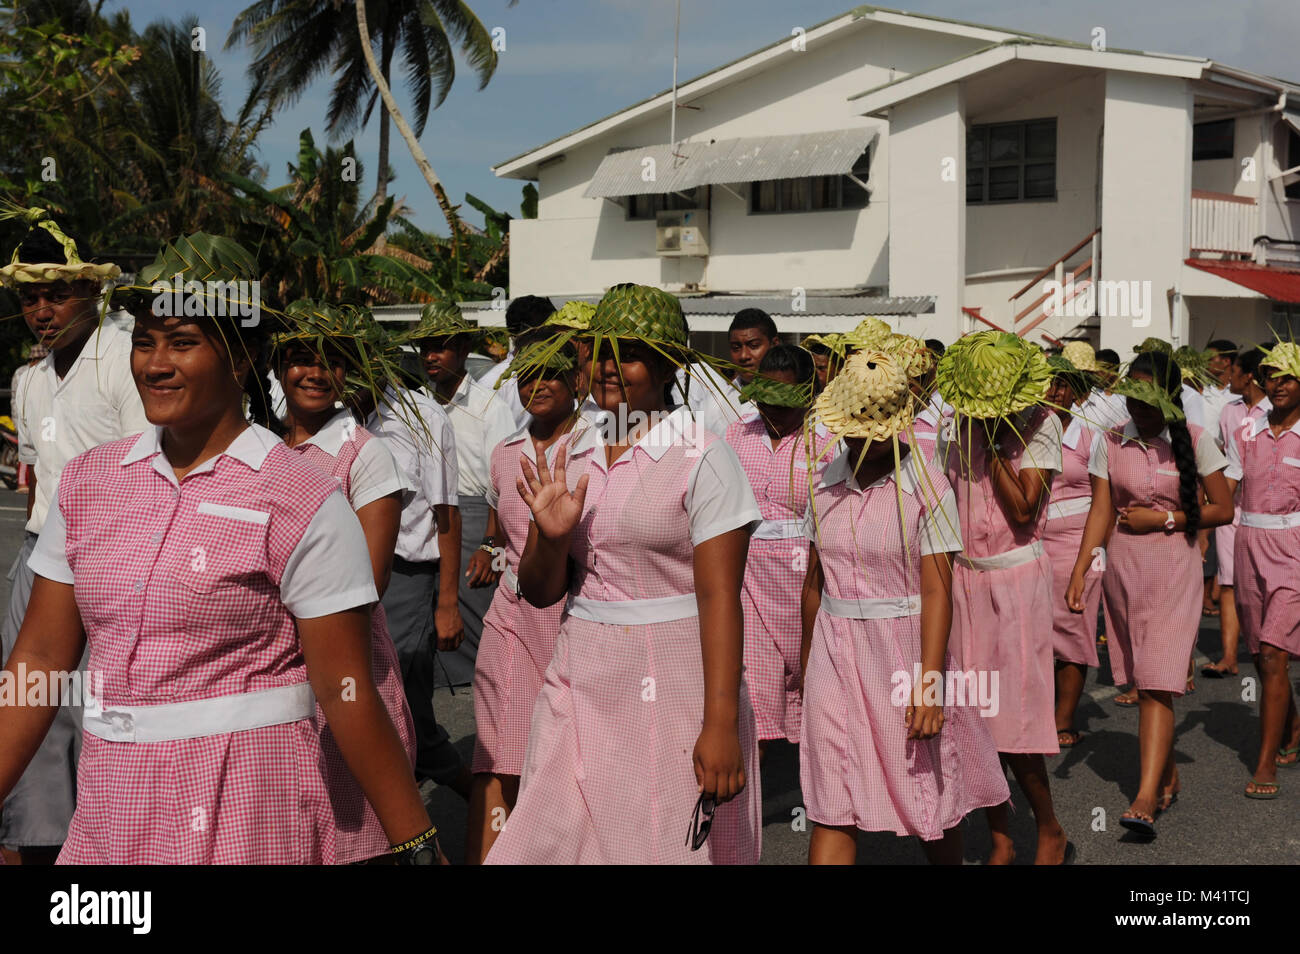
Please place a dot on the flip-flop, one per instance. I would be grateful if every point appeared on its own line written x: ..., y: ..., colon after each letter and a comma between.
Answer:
x: 1214, y: 672
x: 1139, y: 826
x: 1162, y: 806
x: 1264, y: 796
x: 1077, y: 736
x: 1125, y: 703
x: 1295, y: 751
x: 1068, y: 859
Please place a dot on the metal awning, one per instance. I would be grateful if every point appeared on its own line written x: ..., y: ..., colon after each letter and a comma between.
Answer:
x: 648, y: 170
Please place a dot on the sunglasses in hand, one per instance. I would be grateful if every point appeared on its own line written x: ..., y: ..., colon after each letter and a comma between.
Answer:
x: 701, y: 821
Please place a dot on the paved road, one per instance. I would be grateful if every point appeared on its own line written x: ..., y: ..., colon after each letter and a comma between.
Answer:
x: 1212, y: 822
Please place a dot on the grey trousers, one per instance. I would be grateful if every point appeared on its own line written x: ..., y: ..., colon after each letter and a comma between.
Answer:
x: 409, y: 604
x: 37, y: 811
x: 457, y: 668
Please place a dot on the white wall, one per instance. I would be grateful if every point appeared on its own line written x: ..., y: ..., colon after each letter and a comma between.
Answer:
x: 580, y: 245
x: 1243, y: 320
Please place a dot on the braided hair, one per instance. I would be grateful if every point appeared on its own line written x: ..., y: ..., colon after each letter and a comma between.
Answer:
x: 1166, y: 374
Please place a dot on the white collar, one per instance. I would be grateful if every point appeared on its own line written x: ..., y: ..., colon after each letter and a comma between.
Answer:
x: 1261, y: 423
x: 250, y: 448
x: 667, y: 431
x: 1131, y: 433
x: 929, y: 416
x: 334, y: 433
x: 840, y: 471
x: 1072, y: 433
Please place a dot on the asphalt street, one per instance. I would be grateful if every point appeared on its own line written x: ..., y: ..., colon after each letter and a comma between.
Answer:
x: 1092, y: 784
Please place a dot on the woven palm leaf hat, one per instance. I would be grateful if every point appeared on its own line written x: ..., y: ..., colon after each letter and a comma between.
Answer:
x: 1081, y: 356
x: 832, y: 341
x: 1155, y: 344
x: 215, y: 275
x: 1281, y: 360
x: 540, y: 359
x: 72, y: 268
x: 1194, y: 365
x: 870, y: 398
x: 440, y: 319
x: 764, y: 390
x: 574, y: 315
x: 1148, y: 392
x: 869, y: 335
x: 993, y: 374
x: 372, y: 358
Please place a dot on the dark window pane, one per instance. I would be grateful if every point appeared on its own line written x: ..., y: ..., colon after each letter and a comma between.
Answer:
x: 1040, y: 140
x: 825, y: 192
x: 862, y: 168
x: 765, y: 196
x: 1040, y: 181
x: 795, y: 195
x: 1212, y: 140
x: 1004, y: 142
x: 852, y: 195
x: 977, y: 144
x: 1004, y: 183
x: 975, y: 185
x: 1293, y: 160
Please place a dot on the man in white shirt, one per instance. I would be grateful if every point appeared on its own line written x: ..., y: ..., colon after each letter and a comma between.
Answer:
x: 79, y: 395
x: 523, y: 315
x: 1217, y: 395
x: 481, y: 419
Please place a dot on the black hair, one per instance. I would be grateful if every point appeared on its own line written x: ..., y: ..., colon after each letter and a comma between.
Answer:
x: 257, y: 387
x: 791, y: 358
x: 935, y: 346
x: 1108, y: 356
x: 748, y: 318
x: 40, y: 247
x: 1223, y: 346
x: 1165, y: 373
x: 817, y: 348
x: 527, y: 311
x: 1249, y: 361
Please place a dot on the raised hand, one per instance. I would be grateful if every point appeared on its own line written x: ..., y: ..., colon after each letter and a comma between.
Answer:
x: 556, y: 510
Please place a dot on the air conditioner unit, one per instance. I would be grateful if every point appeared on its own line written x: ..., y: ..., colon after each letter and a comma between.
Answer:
x: 682, y: 233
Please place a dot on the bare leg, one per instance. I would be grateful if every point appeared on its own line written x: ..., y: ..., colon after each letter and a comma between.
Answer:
x: 1230, y: 627
x: 945, y: 850
x: 1155, y: 745
x: 1004, y: 850
x: 1031, y: 775
x: 491, y: 798
x: 833, y: 845
x: 1070, y: 678
x: 1275, y: 706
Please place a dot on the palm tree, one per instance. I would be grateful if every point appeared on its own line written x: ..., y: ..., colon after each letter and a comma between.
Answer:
x: 296, y: 40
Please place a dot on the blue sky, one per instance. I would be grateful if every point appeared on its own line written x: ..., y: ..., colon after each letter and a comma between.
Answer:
x: 568, y: 62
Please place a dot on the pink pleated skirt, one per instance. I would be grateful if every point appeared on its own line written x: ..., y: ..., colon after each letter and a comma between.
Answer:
x: 857, y: 767
x: 1074, y: 635
x: 770, y: 599
x: 1154, y: 590
x: 1002, y: 623
x: 609, y: 773
x: 1267, y: 587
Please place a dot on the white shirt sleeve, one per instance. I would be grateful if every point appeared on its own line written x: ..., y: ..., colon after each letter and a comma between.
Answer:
x: 375, y: 474
x: 1099, y: 459
x: 438, y: 471
x: 26, y: 444
x: 1193, y: 406
x: 1043, y: 448
x: 1208, y: 456
x: 719, y: 497
x: 1233, y: 456
x: 50, y: 557
x: 493, y: 495
x: 941, y: 526
x: 329, y: 570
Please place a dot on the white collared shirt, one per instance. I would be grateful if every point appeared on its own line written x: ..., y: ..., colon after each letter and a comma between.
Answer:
x: 327, y: 572
x: 426, y: 452
x: 1254, y: 425
x: 940, y: 532
x: 374, y: 473
x: 1193, y: 406
x: 1215, y: 400
x: 715, y: 402
x: 1208, y: 456
x: 1104, y: 412
x: 481, y: 419
x: 94, y: 403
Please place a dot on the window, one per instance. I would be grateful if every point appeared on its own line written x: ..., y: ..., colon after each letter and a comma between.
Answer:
x: 1213, y: 140
x: 647, y: 206
x: 1286, y: 320
x: 1011, y: 162
x: 1292, y: 160
x: 813, y: 193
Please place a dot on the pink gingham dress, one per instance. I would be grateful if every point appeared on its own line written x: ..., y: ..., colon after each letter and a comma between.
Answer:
x: 857, y: 766
x: 1268, y: 559
x: 518, y: 638
x: 160, y: 631
x: 360, y: 835
x: 1231, y: 420
x: 1153, y: 584
x: 1074, y: 635
x: 609, y: 774
x: 1002, y: 618
x: 774, y: 571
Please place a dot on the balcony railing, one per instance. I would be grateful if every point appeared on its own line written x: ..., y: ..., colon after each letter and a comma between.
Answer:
x: 1224, y: 224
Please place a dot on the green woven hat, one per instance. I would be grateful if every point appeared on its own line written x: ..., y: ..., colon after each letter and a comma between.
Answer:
x: 765, y: 390
x: 642, y: 312
x: 550, y: 357
x: 1155, y: 344
x: 1148, y: 392
x: 371, y: 356
x: 993, y: 374
x: 832, y: 341
x: 1194, y: 365
x: 575, y: 315
x: 870, y: 334
x: 210, y: 274
x: 1283, y: 358
x: 71, y: 269
x: 441, y: 319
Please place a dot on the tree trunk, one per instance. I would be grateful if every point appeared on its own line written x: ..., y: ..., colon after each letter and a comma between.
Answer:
x: 403, y: 127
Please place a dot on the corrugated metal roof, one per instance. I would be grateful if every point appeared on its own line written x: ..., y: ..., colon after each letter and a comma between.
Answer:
x: 1279, y: 284
x: 654, y: 169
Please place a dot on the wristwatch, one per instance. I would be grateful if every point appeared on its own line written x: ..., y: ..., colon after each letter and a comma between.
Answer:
x: 419, y: 855
x: 1169, y: 521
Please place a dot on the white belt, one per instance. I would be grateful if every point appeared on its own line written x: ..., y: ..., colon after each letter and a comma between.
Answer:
x: 1068, y: 507
x: 511, y: 580
x: 778, y: 530
x: 202, y: 717
x: 889, y: 608
x: 1004, y: 561
x: 1270, y: 521
x: 663, y: 609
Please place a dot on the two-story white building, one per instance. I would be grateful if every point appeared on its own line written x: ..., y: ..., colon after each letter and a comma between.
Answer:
x: 942, y: 174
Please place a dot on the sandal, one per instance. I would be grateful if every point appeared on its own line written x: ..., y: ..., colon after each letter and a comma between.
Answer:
x: 1127, y: 700
x: 1139, y: 823
x: 1166, y: 802
x: 1258, y: 793
x: 1283, y: 752
x: 1068, y: 738
x: 1212, y: 671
